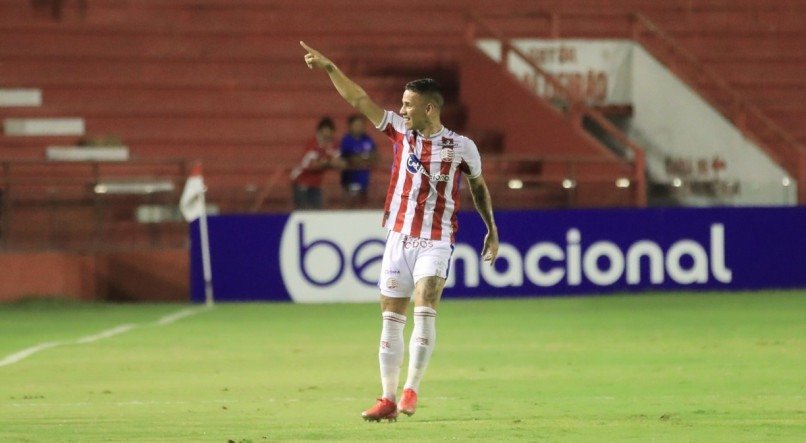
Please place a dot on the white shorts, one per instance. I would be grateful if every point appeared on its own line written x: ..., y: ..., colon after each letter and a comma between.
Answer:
x: 407, y: 259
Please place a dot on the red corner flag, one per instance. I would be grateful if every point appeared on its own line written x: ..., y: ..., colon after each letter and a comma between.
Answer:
x: 192, y: 202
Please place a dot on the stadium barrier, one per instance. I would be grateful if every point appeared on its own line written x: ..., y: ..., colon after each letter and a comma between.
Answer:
x: 320, y: 257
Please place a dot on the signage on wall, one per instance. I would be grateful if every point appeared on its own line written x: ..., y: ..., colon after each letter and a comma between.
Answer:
x: 314, y: 257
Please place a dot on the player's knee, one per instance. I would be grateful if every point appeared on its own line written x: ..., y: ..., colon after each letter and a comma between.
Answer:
x: 429, y: 291
x: 393, y: 304
x: 429, y: 298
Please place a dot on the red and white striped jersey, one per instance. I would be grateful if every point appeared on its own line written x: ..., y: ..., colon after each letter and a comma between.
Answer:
x: 423, y: 196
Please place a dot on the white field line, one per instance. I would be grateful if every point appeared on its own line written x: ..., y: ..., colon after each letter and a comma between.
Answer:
x: 222, y: 401
x: 17, y: 356
x: 117, y: 330
x: 178, y: 315
x: 36, y: 404
x: 105, y: 334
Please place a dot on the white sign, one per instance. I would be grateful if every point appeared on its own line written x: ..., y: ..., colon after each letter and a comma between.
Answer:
x: 332, y: 256
x: 597, y: 70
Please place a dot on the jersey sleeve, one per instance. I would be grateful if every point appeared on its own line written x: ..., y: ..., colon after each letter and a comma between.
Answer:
x: 392, y: 125
x: 471, y: 159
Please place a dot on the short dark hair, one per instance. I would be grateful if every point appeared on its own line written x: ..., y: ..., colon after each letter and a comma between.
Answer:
x: 326, y: 122
x: 427, y: 87
x: 354, y: 117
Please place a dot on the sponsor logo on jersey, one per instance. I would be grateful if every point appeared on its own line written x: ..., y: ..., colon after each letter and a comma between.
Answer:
x: 414, y: 166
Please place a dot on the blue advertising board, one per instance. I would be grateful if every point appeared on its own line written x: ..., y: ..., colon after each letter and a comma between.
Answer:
x: 315, y: 257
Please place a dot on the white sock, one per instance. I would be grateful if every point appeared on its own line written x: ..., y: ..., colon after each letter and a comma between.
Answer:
x: 390, y: 353
x: 423, y: 339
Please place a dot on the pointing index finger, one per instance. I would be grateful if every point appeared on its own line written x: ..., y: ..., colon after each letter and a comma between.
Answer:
x: 308, y: 48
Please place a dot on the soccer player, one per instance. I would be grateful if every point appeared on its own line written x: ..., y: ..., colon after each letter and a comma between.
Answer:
x: 420, y: 214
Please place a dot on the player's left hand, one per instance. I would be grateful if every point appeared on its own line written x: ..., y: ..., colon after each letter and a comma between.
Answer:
x: 490, y: 251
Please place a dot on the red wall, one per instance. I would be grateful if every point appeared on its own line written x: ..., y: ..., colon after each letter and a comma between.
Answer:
x: 497, y: 101
x: 47, y: 274
x: 125, y: 276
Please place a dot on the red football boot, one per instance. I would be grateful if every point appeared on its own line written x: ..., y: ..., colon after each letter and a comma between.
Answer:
x: 408, y: 403
x: 385, y: 409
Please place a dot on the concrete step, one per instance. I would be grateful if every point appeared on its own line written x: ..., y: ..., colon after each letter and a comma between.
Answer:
x: 20, y: 97
x: 85, y: 153
x: 43, y: 126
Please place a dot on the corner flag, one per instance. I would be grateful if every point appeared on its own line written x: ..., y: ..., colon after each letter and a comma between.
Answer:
x: 193, y: 206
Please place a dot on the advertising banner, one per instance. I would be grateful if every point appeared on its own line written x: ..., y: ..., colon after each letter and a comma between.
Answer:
x: 322, y: 257
x: 598, y: 70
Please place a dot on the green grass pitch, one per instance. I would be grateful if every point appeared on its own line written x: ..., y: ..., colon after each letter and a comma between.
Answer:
x: 654, y: 367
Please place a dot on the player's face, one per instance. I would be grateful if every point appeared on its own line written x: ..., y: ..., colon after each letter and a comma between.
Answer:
x: 414, y: 110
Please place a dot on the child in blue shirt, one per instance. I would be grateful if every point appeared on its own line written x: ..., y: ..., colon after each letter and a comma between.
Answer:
x: 358, y: 151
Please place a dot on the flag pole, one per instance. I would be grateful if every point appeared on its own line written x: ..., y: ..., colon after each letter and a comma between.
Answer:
x: 205, y: 250
x: 192, y: 205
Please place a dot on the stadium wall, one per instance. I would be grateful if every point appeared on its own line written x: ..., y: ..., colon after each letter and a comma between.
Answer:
x: 673, y: 122
x: 319, y: 257
x: 518, y: 114
x: 684, y: 136
x: 47, y: 274
x: 108, y: 276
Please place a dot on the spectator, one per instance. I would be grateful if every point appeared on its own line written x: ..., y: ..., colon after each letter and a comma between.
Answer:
x: 320, y: 155
x: 359, y: 154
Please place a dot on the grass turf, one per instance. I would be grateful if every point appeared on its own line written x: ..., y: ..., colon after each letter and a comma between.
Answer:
x: 685, y: 367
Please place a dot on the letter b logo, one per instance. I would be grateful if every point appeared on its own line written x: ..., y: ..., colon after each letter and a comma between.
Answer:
x: 331, y: 257
x: 326, y: 250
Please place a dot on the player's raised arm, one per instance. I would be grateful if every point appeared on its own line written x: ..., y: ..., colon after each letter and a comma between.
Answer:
x: 483, y: 203
x: 352, y: 93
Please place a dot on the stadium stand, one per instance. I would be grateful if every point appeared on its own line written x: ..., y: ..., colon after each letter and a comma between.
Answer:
x: 222, y: 81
